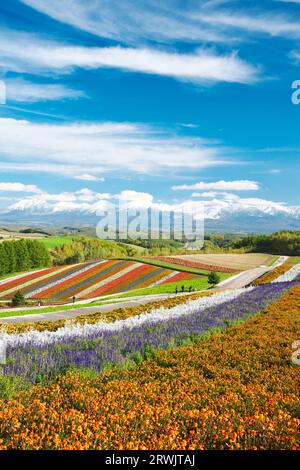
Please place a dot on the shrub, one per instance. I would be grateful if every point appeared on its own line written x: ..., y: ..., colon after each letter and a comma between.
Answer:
x: 213, y: 278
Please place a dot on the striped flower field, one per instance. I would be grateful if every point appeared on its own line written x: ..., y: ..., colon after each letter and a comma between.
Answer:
x: 89, y: 280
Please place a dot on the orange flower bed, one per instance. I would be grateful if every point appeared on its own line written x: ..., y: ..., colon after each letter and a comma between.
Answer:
x: 273, y: 275
x: 236, y: 390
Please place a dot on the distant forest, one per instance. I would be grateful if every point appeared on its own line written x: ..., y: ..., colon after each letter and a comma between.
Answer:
x: 286, y: 242
x: 86, y: 249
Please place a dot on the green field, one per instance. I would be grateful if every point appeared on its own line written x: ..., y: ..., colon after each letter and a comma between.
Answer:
x: 52, y: 242
x: 293, y: 260
x: 170, y: 287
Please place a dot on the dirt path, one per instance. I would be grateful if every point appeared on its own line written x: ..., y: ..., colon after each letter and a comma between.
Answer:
x: 73, y: 313
x: 246, y: 277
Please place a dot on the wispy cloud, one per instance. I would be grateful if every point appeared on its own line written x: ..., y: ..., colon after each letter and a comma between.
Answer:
x: 28, y: 92
x: 211, y: 21
x: 127, y: 22
x: 25, y: 52
x: 276, y: 24
x: 295, y: 55
x: 239, y: 185
x: 101, y: 148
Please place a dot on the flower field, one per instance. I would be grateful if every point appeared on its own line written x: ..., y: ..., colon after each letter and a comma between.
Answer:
x: 89, y: 280
x: 119, y: 313
x: 34, y: 354
x: 235, y: 390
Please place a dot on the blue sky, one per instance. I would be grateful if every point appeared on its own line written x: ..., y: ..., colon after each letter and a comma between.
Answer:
x: 162, y: 101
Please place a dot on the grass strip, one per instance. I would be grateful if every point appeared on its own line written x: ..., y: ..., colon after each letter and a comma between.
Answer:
x: 163, y: 264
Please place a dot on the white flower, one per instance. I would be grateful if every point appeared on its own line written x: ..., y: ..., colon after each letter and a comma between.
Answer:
x: 289, y: 275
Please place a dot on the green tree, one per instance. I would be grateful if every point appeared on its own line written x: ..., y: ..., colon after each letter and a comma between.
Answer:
x: 18, y: 299
x: 213, y: 278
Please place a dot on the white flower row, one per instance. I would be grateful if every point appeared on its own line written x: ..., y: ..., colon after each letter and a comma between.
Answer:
x: 289, y: 275
x: 156, y: 315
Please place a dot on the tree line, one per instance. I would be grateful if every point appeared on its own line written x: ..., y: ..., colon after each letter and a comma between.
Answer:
x: 88, y: 249
x: 22, y: 255
x: 285, y: 242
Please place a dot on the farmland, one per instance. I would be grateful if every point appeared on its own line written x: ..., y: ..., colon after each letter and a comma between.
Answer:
x: 7, y: 235
x: 89, y: 280
x: 224, y: 262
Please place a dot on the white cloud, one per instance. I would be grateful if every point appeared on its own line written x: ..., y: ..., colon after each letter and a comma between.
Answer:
x: 100, y: 148
x: 19, y: 187
x: 239, y: 185
x: 27, y: 92
x: 208, y: 194
x: 88, y: 177
x: 25, y: 52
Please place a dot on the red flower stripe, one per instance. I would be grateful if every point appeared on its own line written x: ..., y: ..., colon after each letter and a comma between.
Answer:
x: 70, y: 282
x: 49, y: 279
x: 155, y: 281
x: 180, y: 277
x: 25, y: 278
x: 117, y: 282
x: 127, y: 283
